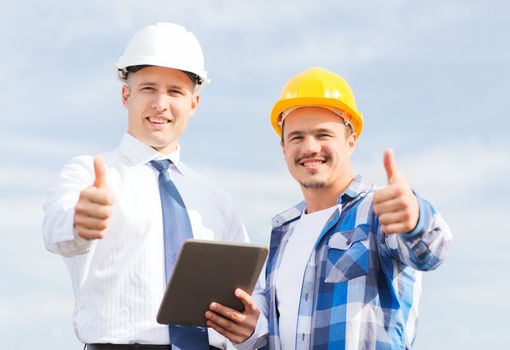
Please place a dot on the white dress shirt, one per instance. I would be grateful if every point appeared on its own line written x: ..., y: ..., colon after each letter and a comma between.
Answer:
x: 119, y: 281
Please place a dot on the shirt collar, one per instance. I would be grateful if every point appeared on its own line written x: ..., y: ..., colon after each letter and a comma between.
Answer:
x: 138, y: 153
x: 356, y: 188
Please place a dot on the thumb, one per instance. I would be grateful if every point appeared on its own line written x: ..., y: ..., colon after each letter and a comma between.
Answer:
x: 390, y: 166
x: 245, y: 298
x: 99, y: 171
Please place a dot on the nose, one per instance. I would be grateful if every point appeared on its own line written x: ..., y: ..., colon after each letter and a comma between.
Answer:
x: 160, y: 103
x: 311, y: 145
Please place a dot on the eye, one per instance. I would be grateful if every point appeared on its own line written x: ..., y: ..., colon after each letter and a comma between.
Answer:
x: 323, y: 136
x: 295, y: 138
x: 174, y: 92
x: 148, y: 88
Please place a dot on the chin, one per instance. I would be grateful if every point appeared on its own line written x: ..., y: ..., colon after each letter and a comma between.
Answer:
x: 313, y: 185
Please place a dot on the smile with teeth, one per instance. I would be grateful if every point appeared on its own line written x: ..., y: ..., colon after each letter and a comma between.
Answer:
x: 158, y: 120
x: 312, y: 162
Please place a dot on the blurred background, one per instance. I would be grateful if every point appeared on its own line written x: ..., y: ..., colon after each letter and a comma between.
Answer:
x: 432, y: 79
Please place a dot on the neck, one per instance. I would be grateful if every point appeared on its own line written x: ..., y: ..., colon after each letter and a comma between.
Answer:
x: 326, y: 197
x: 166, y: 149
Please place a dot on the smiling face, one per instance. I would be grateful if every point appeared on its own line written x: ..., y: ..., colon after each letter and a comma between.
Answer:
x: 160, y: 102
x: 317, y: 149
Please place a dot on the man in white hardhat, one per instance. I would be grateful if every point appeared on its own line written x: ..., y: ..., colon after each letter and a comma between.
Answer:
x: 119, y: 219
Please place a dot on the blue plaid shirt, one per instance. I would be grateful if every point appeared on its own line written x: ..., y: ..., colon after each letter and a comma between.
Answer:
x: 361, y: 288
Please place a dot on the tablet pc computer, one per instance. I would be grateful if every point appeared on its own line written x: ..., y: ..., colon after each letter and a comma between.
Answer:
x: 207, y: 271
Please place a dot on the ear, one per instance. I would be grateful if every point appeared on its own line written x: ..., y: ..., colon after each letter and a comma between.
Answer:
x: 194, y: 104
x: 282, y: 145
x: 351, y: 141
x: 125, y: 95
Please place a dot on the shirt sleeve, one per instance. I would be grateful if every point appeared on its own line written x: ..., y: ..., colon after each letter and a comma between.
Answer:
x: 236, y: 231
x: 426, y: 247
x: 59, y: 234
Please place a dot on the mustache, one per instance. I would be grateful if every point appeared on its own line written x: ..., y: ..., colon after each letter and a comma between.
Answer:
x: 323, y: 156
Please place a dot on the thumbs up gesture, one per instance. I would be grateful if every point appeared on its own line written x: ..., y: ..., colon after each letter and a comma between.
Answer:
x: 395, y: 204
x: 94, y: 207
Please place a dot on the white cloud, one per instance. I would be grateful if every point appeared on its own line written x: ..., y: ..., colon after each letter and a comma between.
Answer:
x: 16, y: 308
x: 39, y: 148
x: 449, y: 171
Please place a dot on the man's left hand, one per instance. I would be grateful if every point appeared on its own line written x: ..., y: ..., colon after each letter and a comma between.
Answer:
x: 395, y: 204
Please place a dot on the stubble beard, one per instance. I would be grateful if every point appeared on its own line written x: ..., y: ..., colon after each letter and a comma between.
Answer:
x: 313, y: 185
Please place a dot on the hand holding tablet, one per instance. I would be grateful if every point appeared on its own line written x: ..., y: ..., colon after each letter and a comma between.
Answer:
x: 206, y: 272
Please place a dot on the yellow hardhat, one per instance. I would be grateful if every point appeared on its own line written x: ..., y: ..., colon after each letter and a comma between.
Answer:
x: 317, y: 86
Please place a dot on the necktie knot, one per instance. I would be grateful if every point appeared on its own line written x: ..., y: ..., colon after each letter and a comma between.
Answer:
x: 161, y: 165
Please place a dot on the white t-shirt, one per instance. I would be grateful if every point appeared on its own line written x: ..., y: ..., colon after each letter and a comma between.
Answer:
x: 292, y: 267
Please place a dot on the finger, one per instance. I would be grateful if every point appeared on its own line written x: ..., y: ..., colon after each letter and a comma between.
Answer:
x: 226, y: 312
x: 394, y: 229
x: 90, y: 234
x: 100, y: 196
x: 90, y: 222
x: 387, y: 193
x: 93, y: 210
x: 390, y: 166
x: 234, y: 338
x: 246, y: 299
x: 234, y: 328
x: 388, y: 206
x: 222, y: 321
x: 399, y: 217
x: 100, y: 173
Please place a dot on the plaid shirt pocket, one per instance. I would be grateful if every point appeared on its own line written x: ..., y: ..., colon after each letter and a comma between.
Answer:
x: 348, y: 255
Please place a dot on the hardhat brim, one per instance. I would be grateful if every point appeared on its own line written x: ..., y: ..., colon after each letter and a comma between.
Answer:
x: 152, y: 61
x: 355, y: 118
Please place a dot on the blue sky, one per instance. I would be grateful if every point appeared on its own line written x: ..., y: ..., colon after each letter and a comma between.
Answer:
x: 431, y: 78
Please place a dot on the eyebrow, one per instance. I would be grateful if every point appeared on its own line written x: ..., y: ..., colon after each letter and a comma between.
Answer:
x: 322, y: 130
x: 294, y: 133
x: 172, y: 86
x: 314, y: 131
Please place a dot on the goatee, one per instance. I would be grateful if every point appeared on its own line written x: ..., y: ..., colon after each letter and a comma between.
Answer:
x: 313, y: 185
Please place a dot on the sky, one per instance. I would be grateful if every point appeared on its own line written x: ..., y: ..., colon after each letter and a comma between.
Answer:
x: 431, y: 78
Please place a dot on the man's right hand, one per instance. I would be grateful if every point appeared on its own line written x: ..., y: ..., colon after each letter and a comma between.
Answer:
x: 234, y: 325
x: 94, y: 208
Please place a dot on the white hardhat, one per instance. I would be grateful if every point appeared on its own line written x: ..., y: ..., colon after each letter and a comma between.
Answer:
x: 164, y: 45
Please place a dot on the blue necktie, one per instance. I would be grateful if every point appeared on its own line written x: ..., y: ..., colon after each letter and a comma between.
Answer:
x: 177, y: 228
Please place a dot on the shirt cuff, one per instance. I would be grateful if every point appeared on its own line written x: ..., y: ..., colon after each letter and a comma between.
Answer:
x: 76, y: 246
x: 259, y: 337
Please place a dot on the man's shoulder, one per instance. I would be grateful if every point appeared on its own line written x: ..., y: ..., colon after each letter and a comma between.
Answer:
x: 85, y: 162
x: 204, y: 182
x: 288, y: 214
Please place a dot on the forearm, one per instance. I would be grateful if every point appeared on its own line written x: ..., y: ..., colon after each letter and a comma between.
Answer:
x: 426, y: 247
x: 59, y: 234
x: 58, y: 222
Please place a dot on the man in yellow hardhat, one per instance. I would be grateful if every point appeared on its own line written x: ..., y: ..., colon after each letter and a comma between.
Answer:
x: 344, y: 270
